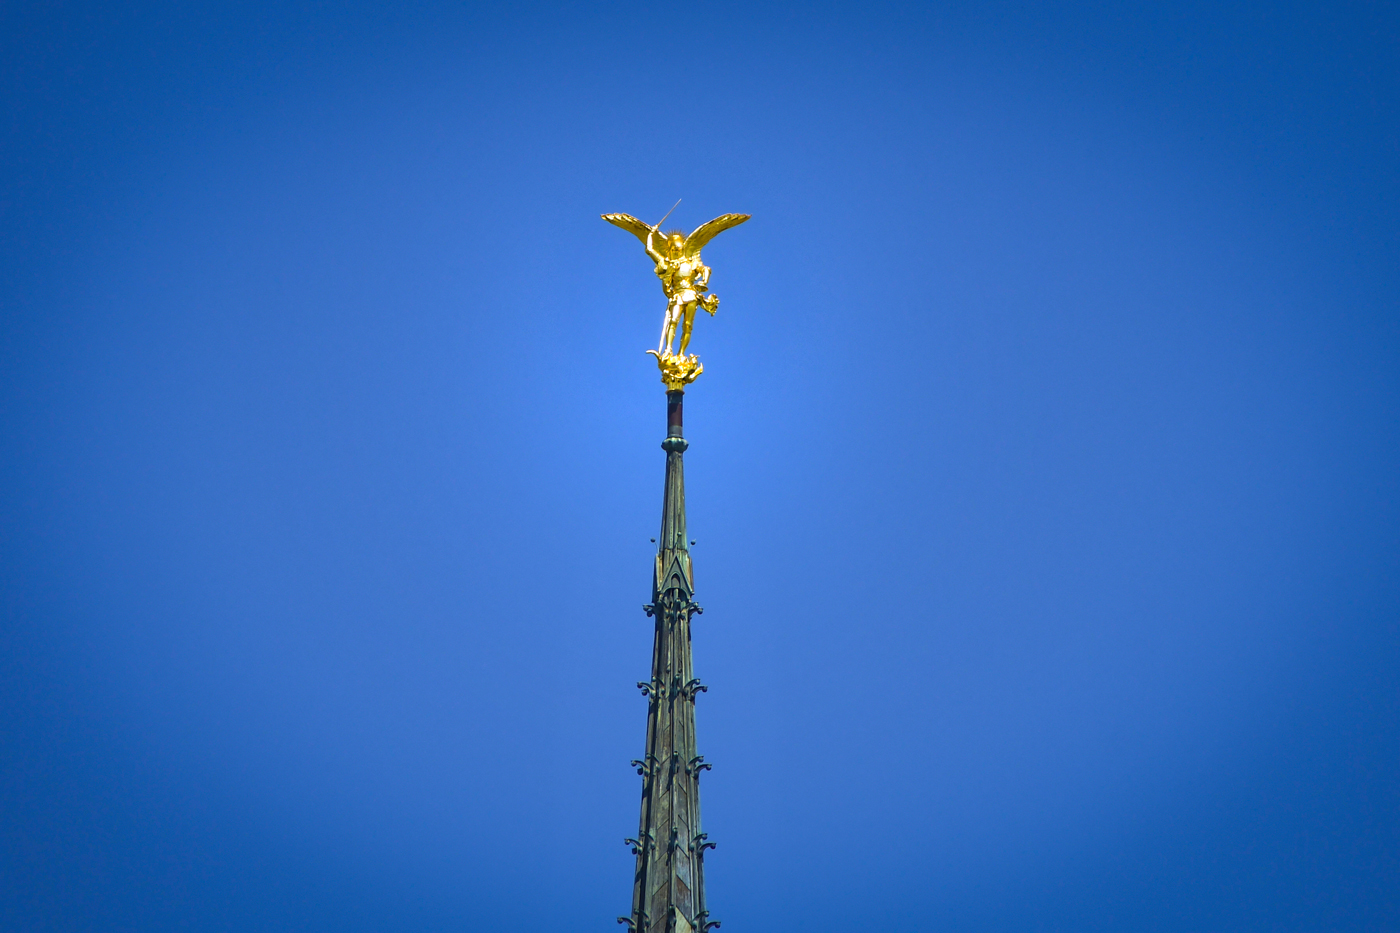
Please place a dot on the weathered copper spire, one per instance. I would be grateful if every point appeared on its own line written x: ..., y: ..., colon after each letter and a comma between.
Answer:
x: 668, y: 893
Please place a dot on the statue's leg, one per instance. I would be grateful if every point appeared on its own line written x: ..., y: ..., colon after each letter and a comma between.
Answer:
x: 668, y: 329
x: 685, y: 328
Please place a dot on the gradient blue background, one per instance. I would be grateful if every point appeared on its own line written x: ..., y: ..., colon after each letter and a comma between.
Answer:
x: 1044, y: 471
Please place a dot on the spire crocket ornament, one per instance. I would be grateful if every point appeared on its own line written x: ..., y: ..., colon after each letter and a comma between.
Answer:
x: 668, y: 888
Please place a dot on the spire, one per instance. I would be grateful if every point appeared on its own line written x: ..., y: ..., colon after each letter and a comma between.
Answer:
x: 668, y: 893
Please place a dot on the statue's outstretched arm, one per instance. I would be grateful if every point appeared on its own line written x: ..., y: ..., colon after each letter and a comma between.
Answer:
x: 656, y: 256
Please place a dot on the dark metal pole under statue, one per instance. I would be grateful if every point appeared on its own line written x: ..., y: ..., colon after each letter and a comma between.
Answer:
x: 668, y: 894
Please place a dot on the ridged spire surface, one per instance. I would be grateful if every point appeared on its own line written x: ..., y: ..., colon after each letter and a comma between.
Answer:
x: 668, y: 893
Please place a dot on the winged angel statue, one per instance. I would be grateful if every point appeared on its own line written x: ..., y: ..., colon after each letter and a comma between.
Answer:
x: 684, y: 278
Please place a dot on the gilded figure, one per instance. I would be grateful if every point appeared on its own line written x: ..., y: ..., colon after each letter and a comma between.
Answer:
x: 684, y: 278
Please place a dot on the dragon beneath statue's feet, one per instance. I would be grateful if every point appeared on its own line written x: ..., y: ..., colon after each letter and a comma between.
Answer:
x: 678, y: 371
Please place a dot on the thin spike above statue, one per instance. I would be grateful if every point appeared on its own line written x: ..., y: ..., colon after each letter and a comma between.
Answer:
x: 686, y: 282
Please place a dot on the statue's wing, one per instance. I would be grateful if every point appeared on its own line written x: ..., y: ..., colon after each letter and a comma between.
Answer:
x: 706, y: 231
x: 633, y: 226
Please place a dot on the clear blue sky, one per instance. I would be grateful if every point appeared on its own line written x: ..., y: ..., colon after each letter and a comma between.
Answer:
x: 1043, y: 473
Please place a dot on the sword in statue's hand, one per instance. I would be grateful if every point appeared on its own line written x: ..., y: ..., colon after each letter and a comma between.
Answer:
x: 657, y: 228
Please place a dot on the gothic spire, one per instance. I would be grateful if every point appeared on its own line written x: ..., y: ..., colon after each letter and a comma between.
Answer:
x: 668, y: 894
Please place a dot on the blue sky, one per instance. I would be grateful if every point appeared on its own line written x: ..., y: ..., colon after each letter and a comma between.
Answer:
x: 1043, y: 472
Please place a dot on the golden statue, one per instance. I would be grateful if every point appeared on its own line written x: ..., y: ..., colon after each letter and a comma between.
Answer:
x: 686, y: 282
